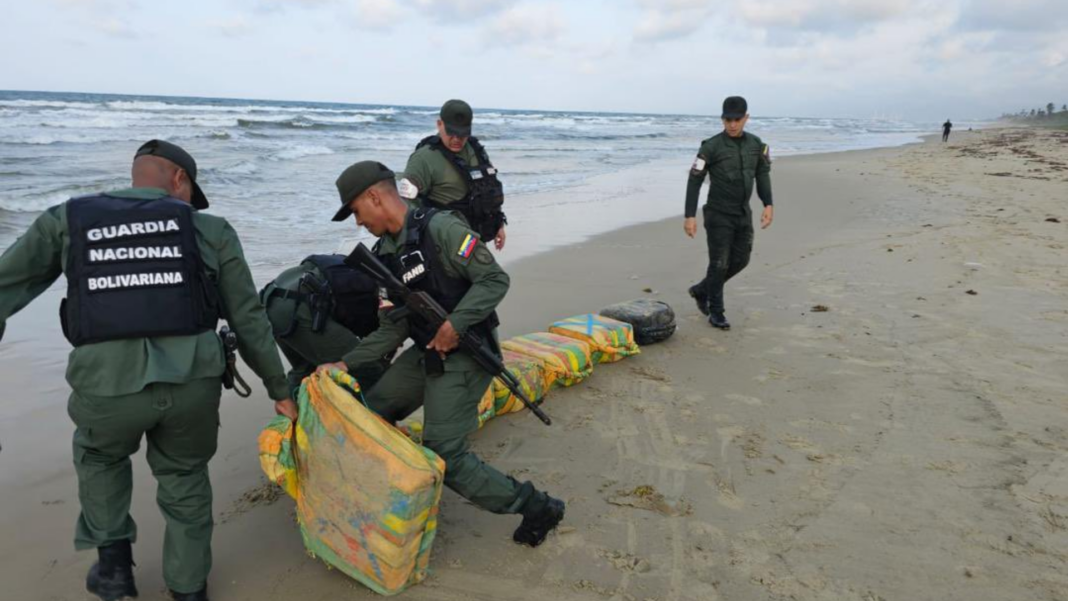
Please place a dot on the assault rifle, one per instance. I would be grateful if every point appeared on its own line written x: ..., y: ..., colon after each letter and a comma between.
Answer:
x: 423, y: 305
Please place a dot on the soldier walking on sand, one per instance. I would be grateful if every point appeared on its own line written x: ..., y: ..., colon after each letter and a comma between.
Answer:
x: 731, y: 160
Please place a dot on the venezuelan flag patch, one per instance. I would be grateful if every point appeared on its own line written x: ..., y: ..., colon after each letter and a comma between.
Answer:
x: 468, y: 246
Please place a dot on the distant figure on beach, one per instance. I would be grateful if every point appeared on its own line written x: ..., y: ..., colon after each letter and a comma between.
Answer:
x: 732, y: 160
x: 148, y: 278
x: 436, y: 252
x: 452, y: 171
x: 320, y: 310
x: 948, y: 125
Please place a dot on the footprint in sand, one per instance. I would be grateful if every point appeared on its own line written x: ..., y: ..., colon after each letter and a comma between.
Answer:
x: 728, y: 497
x: 625, y: 562
x: 812, y: 422
x: 741, y: 398
x: 711, y: 345
x: 799, y: 443
x: 771, y: 373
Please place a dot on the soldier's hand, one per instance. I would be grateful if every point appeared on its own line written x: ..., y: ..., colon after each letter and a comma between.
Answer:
x: 445, y: 340
x: 498, y: 240
x: 766, y: 217
x: 328, y: 366
x: 690, y: 226
x: 287, y: 408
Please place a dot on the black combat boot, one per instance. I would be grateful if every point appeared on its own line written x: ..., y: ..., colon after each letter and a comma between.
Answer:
x: 719, y: 321
x: 111, y: 577
x: 699, y: 297
x: 201, y: 595
x: 538, y: 523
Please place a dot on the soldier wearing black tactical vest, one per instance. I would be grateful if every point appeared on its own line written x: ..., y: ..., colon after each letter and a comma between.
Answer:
x: 436, y: 252
x: 148, y: 276
x: 452, y: 171
x: 320, y: 310
x: 731, y: 160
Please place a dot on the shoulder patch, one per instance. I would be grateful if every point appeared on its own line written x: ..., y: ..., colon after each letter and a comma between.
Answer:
x: 698, y: 164
x: 766, y: 152
x: 467, y: 246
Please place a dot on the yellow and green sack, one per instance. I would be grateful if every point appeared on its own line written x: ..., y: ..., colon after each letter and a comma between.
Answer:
x: 534, y: 380
x: 367, y: 496
x: 610, y: 340
x: 566, y: 361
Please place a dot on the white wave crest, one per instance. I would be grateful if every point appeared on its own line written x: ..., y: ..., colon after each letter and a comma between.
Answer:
x: 343, y: 119
x: 301, y: 151
x: 46, y: 104
x: 33, y: 204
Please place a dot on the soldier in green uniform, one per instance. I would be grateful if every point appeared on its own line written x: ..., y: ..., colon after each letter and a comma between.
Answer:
x: 452, y: 171
x: 435, y: 251
x: 148, y: 276
x: 320, y: 310
x: 731, y: 160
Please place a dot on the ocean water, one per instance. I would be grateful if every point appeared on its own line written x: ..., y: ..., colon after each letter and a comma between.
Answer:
x: 269, y: 166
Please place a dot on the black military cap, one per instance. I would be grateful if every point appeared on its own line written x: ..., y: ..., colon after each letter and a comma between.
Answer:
x: 355, y: 180
x: 735, y: 107
x: 178, y: 156
x: 457, y: 115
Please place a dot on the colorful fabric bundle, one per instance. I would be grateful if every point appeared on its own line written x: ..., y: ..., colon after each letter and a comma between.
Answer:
x: 610, y: 340
x: 566, y: 361
x: 367, y: 496
x: 534, y: 380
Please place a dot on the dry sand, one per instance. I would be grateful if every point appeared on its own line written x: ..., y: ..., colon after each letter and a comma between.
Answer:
x: 907, y: 443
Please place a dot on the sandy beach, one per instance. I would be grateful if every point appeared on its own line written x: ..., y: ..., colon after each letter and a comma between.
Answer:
x: 905, y: 441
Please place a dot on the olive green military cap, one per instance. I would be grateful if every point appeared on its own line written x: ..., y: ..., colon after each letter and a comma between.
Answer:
x: 735, y: 107
x: 177, y: 155
x: 355, y: 180
x: 457, y: 116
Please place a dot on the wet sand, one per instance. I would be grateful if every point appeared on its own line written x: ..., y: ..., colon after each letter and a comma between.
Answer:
x: 907, y: 443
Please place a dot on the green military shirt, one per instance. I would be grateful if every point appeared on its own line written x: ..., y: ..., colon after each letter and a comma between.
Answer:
x: 435, y: 175
x: 120, y: 367
x: 731, y: 164
x: 489, y: 284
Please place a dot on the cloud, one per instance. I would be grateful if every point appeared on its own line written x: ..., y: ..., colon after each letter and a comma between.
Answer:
x: 1017, y: 15
x: 1054, y: 59
x: 116, y: 28
x: 823, y: 15
x: 962, y: 45
x: 378, y: 14
x: 94, y: 5
x: 231, y: 27
x: 526, y: 24
x: 384, y: 14
x: 658, y: 26
x: 459, y: 11
x: 670, y: 19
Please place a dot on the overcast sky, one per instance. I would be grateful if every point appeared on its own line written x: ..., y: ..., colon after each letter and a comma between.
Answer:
x: 919, y: 59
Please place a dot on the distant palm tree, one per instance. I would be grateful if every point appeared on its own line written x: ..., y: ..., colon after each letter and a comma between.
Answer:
x: 1049, y: 109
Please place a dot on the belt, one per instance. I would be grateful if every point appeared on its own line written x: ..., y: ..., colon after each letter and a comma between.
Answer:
x: 300, y: 297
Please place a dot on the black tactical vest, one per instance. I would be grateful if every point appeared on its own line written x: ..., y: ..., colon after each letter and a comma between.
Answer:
x: 418, y: 266
x: 485, y: 193
x: 134, y: 270
x: 354, y: 295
